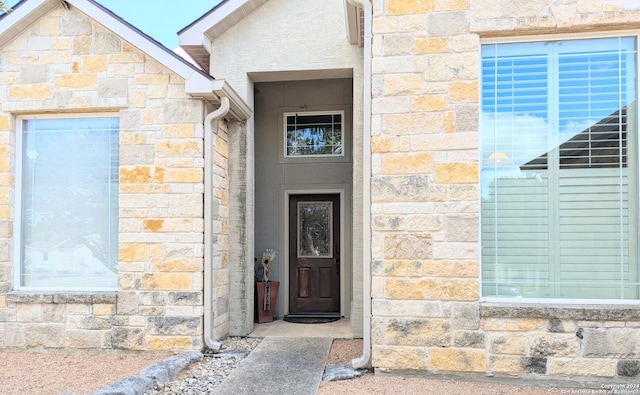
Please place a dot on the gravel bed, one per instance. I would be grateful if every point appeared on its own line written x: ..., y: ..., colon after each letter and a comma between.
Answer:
x: 203, y: 377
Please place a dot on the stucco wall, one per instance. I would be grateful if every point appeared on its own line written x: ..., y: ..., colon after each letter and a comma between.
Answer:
x: 290, y: 40
x: 67, y: 63
x: 427, y: 313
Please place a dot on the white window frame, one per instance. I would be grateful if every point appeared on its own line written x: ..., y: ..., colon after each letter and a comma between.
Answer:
x: 559, y: 37
x: 17, y: 228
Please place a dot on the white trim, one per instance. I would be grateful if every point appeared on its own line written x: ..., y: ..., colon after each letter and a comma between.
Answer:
x: 558, y: 37
x: 16, y: 262
x: 341, y: 192
x: 556, y: 301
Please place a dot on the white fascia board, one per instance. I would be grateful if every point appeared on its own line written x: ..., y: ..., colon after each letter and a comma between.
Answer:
x: 140, y: 41
x: 193, y: 35
x: 14, y: 22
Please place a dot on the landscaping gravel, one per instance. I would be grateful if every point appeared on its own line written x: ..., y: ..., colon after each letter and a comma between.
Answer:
x: 204, y: 376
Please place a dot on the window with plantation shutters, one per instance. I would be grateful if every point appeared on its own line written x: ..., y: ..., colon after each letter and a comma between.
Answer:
x: 559, y: 169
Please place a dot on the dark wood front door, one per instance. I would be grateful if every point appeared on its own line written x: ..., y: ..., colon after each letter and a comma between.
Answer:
x: 314, y: 254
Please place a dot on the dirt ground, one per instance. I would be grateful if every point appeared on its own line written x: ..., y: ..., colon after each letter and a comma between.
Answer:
x: 23, y: 373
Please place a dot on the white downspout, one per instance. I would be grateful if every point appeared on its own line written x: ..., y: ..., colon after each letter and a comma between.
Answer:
x: 209, y: 128
x: 366, y: 187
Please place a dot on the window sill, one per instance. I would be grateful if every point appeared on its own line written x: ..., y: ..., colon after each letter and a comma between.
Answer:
x: 83, y: 297
x: 583, y: 312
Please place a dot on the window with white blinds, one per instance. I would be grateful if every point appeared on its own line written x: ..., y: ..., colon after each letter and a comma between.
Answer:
x: 67, y: 228
x: 559, y: 163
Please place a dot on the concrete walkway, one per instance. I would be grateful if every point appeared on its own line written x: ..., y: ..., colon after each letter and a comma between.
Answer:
x: 280, y: 365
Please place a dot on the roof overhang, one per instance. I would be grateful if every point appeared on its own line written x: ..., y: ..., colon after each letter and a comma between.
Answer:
x: 196, y: 38
x: 197, y: 82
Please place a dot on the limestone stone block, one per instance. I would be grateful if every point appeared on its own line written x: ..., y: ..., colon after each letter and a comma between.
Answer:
x: 127, y: 304
x: 447, y: 268
x: 628, y: 368
x: 14, y: 335
x: 407, y: 163
x: 593, y: 367
x: 184, y: 175
x: 414, y: 123
x: 402, y: 84
x: 451, y: 173
x: 169, y: 342
x: 443, y: 68
x: 104, y: 309
x: 458, y: 359
x: 78, y: 309
x: 430, y: 45
x: 417, y: 289
x: 406, y: 308
x: 113, y: 88
x: 400, y: 357
x: 417, y: 332
x: 448, y: 23
x: 75, y: 24
x: 390, y: 268
x: 53, y: 312
x: 459, y: 289
x: 34, y: 73
x: 133, y: 252
x: 505, y: 364
x: 554, y: 344
x: 461, y: 228
x: 473, y: 339
x: 30, y: 92
x: 180, y: 326
x: 463, y: 92
x: 511, y: 324
x: 75, y: 338
x: 29, y: 312
x: 509, y: 343
x: 403, y: 7
x: 410, y: 188
x: 611, y: 343
x: 534, y: 364
x: 96, y: 323
x: 76, y: 81
x: 464, y: 315
x: 44, y: 335
x: 408, y: 246
x: 387, y: 222
x: 124, y: 338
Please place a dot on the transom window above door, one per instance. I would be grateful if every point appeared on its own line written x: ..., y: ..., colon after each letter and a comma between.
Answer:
x: 314, y: 134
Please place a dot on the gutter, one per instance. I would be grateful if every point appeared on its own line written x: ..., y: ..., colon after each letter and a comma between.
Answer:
x: 209, y: 128
x: 361, y: 361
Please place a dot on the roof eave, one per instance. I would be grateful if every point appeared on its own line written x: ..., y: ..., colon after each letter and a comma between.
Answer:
x: 215, y: 89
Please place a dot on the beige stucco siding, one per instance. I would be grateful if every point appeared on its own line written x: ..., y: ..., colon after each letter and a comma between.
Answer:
x: 66, y: 63
x: 293, y: 40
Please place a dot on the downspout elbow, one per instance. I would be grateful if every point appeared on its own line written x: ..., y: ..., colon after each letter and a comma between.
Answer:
x: 209, y: 128
x: 363, y: 360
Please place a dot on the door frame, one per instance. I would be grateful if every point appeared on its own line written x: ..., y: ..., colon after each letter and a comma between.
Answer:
x: 345, y: 244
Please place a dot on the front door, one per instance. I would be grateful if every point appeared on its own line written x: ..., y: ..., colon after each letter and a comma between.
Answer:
x: 314, y: 254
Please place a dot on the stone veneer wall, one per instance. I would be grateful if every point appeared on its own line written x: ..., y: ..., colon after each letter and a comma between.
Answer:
x: 67, y: 63
x: 427, y: 313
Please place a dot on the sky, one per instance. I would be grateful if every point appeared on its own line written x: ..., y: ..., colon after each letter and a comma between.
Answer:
x: 160, y: 19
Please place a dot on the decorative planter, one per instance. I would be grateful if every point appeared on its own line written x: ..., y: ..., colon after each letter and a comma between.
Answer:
x: 266, y: 294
